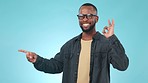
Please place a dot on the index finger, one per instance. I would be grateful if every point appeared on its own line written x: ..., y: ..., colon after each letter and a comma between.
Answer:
x: 24, y: 51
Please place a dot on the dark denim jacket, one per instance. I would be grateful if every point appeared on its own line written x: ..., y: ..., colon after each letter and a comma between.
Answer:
x: 103, y: 52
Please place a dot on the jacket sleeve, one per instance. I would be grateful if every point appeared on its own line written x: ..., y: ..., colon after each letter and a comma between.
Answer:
x: 53, y: 65
x: 117, y: 56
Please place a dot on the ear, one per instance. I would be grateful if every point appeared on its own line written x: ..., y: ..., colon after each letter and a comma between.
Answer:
x: 97, y: 18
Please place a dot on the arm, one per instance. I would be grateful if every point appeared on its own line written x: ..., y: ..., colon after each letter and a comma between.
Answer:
x: 54, y: 65
x: 117, y: 56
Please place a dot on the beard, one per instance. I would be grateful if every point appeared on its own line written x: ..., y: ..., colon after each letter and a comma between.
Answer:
x: 89, y: 29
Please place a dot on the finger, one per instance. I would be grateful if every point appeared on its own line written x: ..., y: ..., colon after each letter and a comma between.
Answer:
x: 29, y: 55
x: 109, y: 22
x: 24, y: 51
x: 105, y: 29
x: 113, y: 23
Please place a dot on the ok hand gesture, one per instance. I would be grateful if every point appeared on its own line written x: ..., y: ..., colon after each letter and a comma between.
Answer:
x: 109, y: 30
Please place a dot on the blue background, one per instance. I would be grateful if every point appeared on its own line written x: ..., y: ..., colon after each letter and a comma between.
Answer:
x: 43, y: 26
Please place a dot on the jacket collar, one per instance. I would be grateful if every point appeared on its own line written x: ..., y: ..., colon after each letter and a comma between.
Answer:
x: 96, y: 37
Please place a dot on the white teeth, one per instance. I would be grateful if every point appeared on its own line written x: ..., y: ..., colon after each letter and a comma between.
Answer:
x: 85, y: 25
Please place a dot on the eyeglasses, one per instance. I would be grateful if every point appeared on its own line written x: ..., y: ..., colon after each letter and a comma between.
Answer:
x: 88, y: 16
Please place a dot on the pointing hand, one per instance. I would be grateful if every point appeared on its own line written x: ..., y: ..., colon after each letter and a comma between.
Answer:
x: 31, y: 56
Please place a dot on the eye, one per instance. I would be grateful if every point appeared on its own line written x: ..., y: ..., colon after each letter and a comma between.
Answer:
x: 81, y: 16
x: 89, y: 16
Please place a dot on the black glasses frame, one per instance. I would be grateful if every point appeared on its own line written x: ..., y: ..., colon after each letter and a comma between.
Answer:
x: 88, y: 16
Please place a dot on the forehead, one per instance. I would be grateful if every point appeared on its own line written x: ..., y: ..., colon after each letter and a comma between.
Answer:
x: 87, y: 10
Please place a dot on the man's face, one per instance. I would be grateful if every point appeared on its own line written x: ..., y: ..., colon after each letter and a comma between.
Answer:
x: 87, y: 18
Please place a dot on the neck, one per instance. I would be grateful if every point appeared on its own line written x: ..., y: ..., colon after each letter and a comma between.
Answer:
x: 88, y: 35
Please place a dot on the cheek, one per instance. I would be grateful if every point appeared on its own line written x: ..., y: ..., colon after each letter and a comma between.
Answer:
x: 94, y: 21
x: 80, y: 22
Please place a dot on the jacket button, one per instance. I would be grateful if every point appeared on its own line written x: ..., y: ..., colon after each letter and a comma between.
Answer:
x: 75, y: 72
x: 76, y: 62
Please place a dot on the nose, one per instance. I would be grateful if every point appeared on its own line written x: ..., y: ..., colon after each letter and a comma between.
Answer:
x: 85, y: 18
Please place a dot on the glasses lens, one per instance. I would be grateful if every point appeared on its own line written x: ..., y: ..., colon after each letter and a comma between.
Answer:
x: 80, y: 16
x: 89, y: 16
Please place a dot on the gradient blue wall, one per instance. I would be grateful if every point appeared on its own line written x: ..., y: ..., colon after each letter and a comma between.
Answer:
x: 43, y: 26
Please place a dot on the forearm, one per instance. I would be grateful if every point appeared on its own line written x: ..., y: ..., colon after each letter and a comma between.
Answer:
x: 48, y: 66
x: 117, y: 55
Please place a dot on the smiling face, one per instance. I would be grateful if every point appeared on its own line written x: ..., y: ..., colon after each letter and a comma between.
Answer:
x: 87, y: 18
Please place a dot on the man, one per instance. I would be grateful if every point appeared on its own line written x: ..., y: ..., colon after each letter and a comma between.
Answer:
x: 87, y: 57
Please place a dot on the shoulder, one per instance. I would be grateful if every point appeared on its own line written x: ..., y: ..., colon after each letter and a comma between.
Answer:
x: 71, y: 41
x: 101, y: 38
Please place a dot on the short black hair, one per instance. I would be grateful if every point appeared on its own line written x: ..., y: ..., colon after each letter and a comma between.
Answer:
x: 89, y: 4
